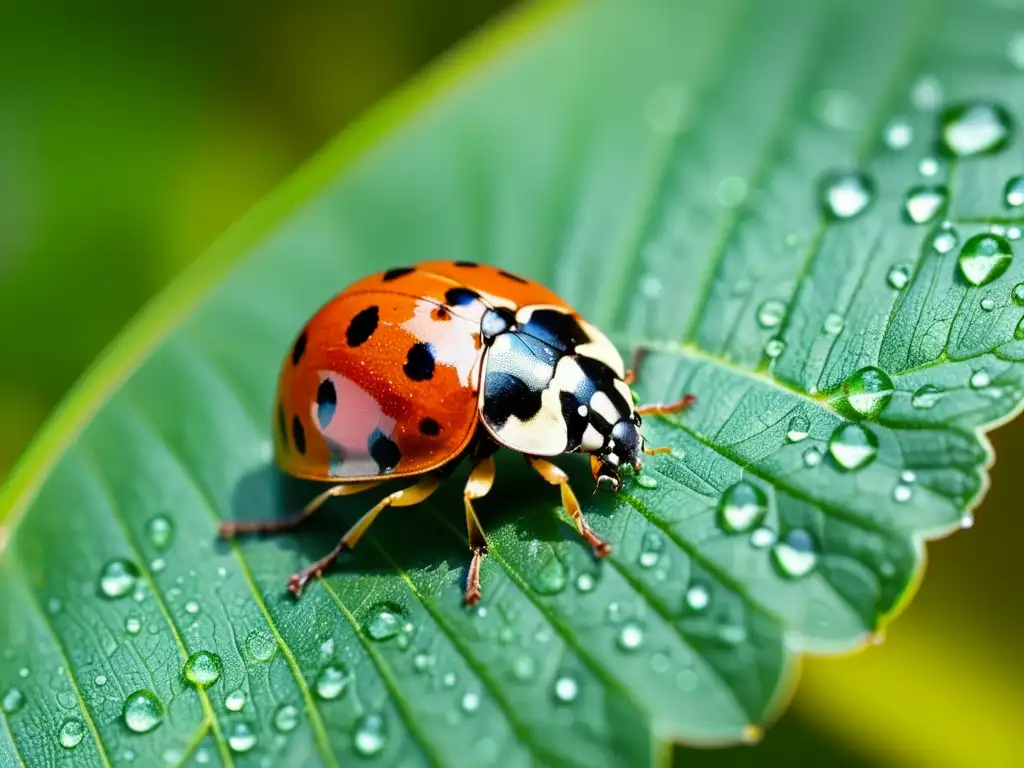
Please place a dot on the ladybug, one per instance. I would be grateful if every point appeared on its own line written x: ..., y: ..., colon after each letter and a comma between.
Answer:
x: 407, y: 372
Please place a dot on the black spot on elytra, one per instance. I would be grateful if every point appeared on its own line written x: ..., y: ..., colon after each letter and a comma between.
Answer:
x: 430, y: 427
x: 419, y: 362
x: 362, y: 326
x: 300, y: 348
x: 394, y: 274
x: 466, y: 264
x: 506, y: 395
x: 384, y: 451
x: 326, y: 402
x: 298, y: 435
x: 510, y: 276
x: 458, y: 297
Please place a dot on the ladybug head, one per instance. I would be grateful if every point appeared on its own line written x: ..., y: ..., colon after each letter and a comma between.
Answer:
x: 625, y: 446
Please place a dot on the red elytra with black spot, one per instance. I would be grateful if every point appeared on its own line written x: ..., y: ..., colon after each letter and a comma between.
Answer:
x: 409, y: 371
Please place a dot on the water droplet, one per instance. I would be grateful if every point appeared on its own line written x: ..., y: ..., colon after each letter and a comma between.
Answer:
x: 260, y: 645
x: 907, y: 476
x: 550, y: 578
x: 898, y: 276
x: 585, y: 582
x: 975, y: 128
x: 845, y: 195
x: 566, y: 689
x: 158, y: 565
x: 798, y: 428
x: 332, y: 682
x: 752, y: 734
x: 868, y: 391
x: 987, y: 304
x: 985, y: 257
x: 967, y: 521
x: 731, y: 191
x: 100, y: 680
x: 796, y: 554
x: 926, y: 93
x: 12, y: 701
x: 470, y: 702
x: 742, y: 507
x: 980, y: 379
x: 812, y: 457
x: 1014, y: 192
x: 1018, y: 332
x: 370, y: 736
x: 852, y: 446
x: 651, y: 548
x: 1014, y: 233
x: 838, y: 109
x: 118, y: 578
x: 774, y: 347
x: 142, y: 711
x: 928, y: 166
x: 71, y: 733
x: 834, y: 323
x: 697, y: 597
x: 926, y: 397
x: 631, y: 636
x: 385, y: 623
x: 235, y: 701
x: 771, y: 313
x: 241, y: 738
x: 762, y: 537
x: 202, y: 669
x: 53, y: 606
x: 132, y: 625
x: 898, y: 134
x: 902, y: 493
x: 23, y: 672
x: 945, y: 238
x: 161, y: 531
x: 923, y: 203
x: 192, y: 607
x: 1015, y: 50
x: 647, y: 481
x: 449, y: 680
x: 286, y: 718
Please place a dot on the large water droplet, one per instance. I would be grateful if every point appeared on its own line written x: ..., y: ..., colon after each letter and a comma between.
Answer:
x: 12, y: 701
x: 142, y: 711
x: 286, y: 718
x: 945, y: 238
x: 798, y: 428
x: 898, y: 276
x: 630, y: 637
x: 926, y: 397
x: 985, y: 257
x: 566, y: 689
x: 71, y: 733
x: 1014, y: 192
x: 118, y: 578
x: 845, y: 195
x: 385, y: 622
x: 203, y: 669
x: 651, y: 548
x: 868, y: 391
x: 241, y: 738
x: 743, y: 506
x: 975, y: 128
x: 370, y: 736
x: 852, y: 446
x: 796, y: 554
x: 161, y: 531
x: 332, y: 682
x: 260, y: 645
x: 923, y: 203
x: 550, y: 578
x: 771, y: 313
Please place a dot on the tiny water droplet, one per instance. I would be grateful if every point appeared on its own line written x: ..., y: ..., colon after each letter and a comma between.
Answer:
x: 868, y: 391
x: 812, y: 457
x: 771, y: 313
x: 332, y: 682
x: 980, y: 379
x: 697, y: 597
x: 852, y: 446
x: 845, y: 194
x: 838, y: 109
x: 798, y: 428
x: 235, y: 701
x: 774, y: 347
x: 23, y: 672
x: 967, y: 521
x: 585, y: 582
x: 1013, y: 192
x: 647, y: 481
x: 796, y: 554
x: 928, y: 166
x: 902, y: 493
x: 630, y: 637
x: 945, y: 238
x: 203, y: 669
x: 100, y: 680
x: 286, y: 718
x: 524, y: 668
x: 12, y: 701
x: 898, y: 276
x: 71, y: 733
x: 762, y: 537
x: 422, y: 661
x: 907, y: 476
x: 651, y: 548
x: 241, y: 738
x: 370, y: 735
x: 158, y: 565
x: 743, y: 506
x: 1014, y: 233
x: 686, y: 680
x: 385, y: 623
x: 132, y: 625
x: 118, y: 578
x: 926, y: 397
x: 898, y: 134
x: 975, y: 128
x: 926, y: 93
x: 922, y: 204
x: 161, y: 531
x: 752, y: 734
x: 985, y: 257
x: 192, y: 607
x: 470, y: 702
x: 449, y: 680
x: 566, y: 689
x: 834, y: 323
x: 987, y: 304
x: 54, y: 606
x: 1018, y: 332
x: 260, y: 645
x: 1018, y: 294
x: 550, y: 578
x: 142, y: 711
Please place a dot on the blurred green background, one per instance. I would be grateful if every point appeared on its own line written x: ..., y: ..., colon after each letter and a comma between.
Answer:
x: 131, y: 135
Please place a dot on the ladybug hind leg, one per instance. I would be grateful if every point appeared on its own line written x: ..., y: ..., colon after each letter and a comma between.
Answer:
x: 233, y: 527
x: 556, y: 476
x: 479, y: 484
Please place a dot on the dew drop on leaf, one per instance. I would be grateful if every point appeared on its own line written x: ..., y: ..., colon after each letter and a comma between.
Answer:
x: 332, y: 681
x: 630, y: 637
x: 774, y: 347
x: 967, y: 521
x: 852, y: 446
x: 868, y: 391
x: 12, y: 701
x: 898, y: 134
x: 550, y: 578
x: 647, y: 481
x: 370, y: 736
x: 898, y: 277
x: 1013, y: 192
x: 202, y: 669
x: 524, y: 668
x: 922, y: 204
x: 987, y: 304
x: 833, y: 324
x: 980, y: 379
x: 585, y: 582
x: 142, y: 711
x: 118, y: 578
x: 1018, y: 294
x: 985, y: 257
x: 260, y: 645
x: 798, y: 428
x: 71, y: 733
x: 286, y: 718
x: 812, y: 457
x: 845, y: 195
x: 132, y: 625
x: 686, y: 680
x: 1018, y: 332
x: 743, y: 506
x: 385, y: 622
x: 771, y: 313
x: 235, y: 701
x: 566, y: 689
x: 928, y: 166
x: 697, y: 597
x: 945, y: 238
x: 926, y: 397
x: 241, y: 738
x: 762, y: 537
x: 161, y: 531
x: 902, y: 493
x: 100, y: 680
x: 796, y: 553
x: 650, y: 549
x: 192, y: 607
x: 926, y: 93
x: 975, y: 128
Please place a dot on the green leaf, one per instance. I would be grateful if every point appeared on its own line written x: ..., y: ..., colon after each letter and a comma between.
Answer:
x: 664, y: 168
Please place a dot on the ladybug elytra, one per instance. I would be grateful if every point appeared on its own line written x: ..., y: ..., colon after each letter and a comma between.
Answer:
x: 409, y: 371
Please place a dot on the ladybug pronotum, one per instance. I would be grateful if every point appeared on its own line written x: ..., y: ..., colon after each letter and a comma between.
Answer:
x: 408, y: 372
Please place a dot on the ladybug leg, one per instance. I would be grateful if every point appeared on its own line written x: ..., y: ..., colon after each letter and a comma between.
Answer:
x: 556, y: 476
x: 634, y: 366
x: 232, y: 527
x: 662, y: 409
x: 406, y: 497
x: 477, y: 486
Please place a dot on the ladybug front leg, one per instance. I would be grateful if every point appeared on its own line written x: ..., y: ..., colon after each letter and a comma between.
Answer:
x: 556, y: 476
x: 479, y: 484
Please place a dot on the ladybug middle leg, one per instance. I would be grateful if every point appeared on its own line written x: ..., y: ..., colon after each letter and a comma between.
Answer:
x: 477, y: 486
x: 556, y: 476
